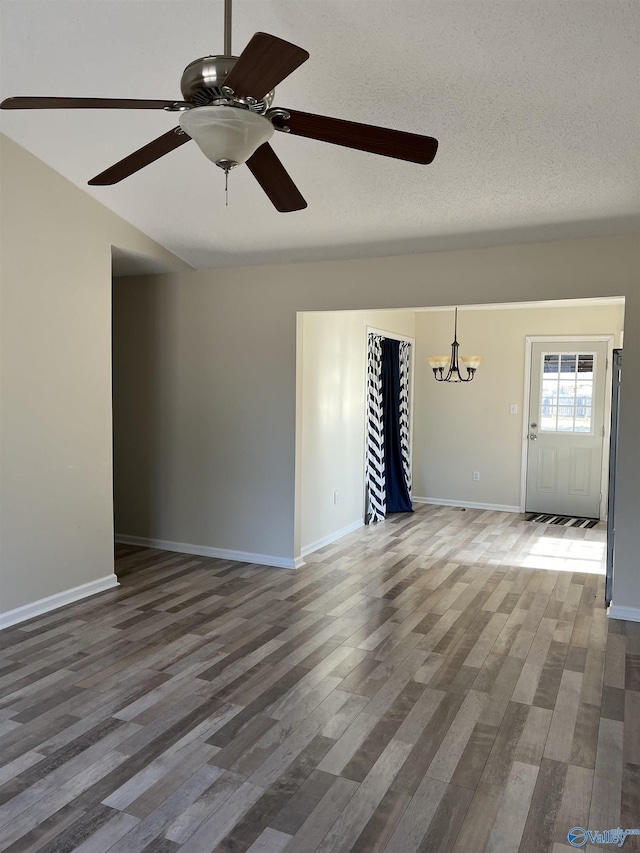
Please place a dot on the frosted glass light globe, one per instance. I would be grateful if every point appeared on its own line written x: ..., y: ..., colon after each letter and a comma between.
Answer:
x: 225, y: 133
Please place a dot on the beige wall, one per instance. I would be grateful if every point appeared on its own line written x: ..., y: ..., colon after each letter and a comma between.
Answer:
x: 231, y: 474
x: 464, y: 428
x: 241, y: 325
x: 56, y: 495
x: 331, y: 394
x: 204, y: 413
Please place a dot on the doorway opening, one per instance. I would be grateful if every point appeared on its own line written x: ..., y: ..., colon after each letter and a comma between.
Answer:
x: 469, y: 439
x: 388, y: 430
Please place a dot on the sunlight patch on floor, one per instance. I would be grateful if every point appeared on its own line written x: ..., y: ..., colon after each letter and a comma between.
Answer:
x: 564, y: 555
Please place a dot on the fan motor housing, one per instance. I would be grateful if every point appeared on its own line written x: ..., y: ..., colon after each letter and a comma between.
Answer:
x: 203, y: 79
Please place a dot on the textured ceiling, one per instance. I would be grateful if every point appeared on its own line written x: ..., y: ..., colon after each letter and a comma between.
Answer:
x: 535, y: 106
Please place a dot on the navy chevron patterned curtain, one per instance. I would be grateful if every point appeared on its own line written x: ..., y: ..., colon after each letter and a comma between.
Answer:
x: 376, y: 501
x: 397, y: 493
x: 388, y: 467
x: 404, y: 358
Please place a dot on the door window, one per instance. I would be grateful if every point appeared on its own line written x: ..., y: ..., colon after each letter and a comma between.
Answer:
x: 566, y: 393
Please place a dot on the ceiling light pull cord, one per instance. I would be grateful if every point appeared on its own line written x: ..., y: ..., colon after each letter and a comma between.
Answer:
x: 226, y: 187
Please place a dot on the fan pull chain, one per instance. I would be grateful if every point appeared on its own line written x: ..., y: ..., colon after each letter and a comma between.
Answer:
x: 226, y: 188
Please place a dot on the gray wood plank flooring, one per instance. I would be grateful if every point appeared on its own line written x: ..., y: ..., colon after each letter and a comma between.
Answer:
x: 446, y: 681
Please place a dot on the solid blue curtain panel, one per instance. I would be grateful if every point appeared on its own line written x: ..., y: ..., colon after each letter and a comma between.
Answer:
x: 388, y: 469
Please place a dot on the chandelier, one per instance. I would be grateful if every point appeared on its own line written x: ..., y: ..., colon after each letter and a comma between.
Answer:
x: 440, y: 363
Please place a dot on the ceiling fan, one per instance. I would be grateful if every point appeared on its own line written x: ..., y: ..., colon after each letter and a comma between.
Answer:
x: 227, y: 109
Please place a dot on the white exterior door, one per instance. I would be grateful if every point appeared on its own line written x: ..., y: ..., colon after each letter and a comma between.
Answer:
x: 566, y: 428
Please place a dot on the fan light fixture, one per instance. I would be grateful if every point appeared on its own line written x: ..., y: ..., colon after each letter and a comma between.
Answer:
x: 228, y: 136
x: 439, y: 363
x: 227, y: 108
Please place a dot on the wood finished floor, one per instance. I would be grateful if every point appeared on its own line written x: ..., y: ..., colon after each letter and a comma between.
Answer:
x: 446, y: 681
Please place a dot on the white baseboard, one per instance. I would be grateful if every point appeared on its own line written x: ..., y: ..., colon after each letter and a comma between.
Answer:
x: 206, y: 551
x: 621, y: 611
x: 467, y: 504
x: 52, y: 602
x: 332, y: 537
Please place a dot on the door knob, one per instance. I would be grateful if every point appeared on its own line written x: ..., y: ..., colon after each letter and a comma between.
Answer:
x: 533, y: 436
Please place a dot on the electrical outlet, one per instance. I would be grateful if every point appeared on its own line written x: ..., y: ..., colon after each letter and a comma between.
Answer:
x: 336, y: 497
x: 476, y: 475
x: 513, y: 409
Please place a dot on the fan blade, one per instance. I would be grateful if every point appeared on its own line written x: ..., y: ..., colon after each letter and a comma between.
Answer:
x: 140, y: 158
x: 364, y: 137
x: 88, y: 104
x: 264, y: 63
x: 275, y: 180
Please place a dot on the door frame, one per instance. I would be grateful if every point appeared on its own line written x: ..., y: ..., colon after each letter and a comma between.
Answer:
x: 395, y: 336
x: 536, y: 339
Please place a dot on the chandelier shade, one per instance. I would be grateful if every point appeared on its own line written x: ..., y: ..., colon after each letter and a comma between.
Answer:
x: 471, y: 362
x: 439, y: 361
x: 447, y: 369
x: 226, y: 135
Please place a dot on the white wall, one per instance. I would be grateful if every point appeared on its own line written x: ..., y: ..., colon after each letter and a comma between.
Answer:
x: 459, y: 428
x: 56, y: 495
x: 332, y: 401
x: 247, y: 482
